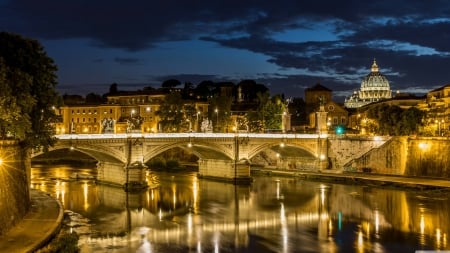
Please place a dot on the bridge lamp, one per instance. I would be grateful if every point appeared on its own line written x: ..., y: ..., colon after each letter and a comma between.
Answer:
x: 322, y: 157
x: 72, y: 148
x: 1, y: 161
x: 189, y: 145
x: 282, y: 144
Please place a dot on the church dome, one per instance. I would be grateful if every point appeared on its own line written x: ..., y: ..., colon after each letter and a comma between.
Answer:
x: 374, y: 87
x: 375, y: 80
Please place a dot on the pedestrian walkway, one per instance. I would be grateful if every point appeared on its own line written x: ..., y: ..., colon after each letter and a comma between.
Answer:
x: 38, y: 226
x: 376, y: 179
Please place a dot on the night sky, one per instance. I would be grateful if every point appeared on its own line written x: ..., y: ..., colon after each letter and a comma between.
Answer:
x: 287, y: 45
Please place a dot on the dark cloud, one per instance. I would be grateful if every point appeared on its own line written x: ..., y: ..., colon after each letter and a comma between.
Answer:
x: 408, y: 38
x: 192, y: 78
x: 127, y: 61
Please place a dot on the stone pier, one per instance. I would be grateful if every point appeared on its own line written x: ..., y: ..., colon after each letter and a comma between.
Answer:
x: 225, y: 170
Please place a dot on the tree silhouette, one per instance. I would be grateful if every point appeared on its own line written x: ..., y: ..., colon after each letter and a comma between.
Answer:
x: 28, y: 82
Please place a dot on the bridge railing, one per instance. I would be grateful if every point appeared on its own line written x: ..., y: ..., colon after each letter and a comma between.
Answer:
x: 186, y: 135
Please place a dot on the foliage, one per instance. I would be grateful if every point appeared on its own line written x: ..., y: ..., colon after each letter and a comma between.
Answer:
x: 268, y: 115
x: 67, y: 242
x: 171, y: 83
x: 176, y: 114
x: 393, y: 120
x: 222, y: 118
x: 156, y: 163
x: 93, y: 98
x: 172, y: 164
x: 27, y: 94
x: 298, y: 112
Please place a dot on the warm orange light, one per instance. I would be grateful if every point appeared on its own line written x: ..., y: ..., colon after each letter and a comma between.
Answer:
x: 1, y: 161
x: 423, y: 145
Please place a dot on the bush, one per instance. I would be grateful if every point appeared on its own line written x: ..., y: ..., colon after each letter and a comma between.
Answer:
x: 67, y: 243
x: 172, y: 164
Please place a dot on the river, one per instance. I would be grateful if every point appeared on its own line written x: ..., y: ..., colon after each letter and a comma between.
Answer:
x: 273, y: 214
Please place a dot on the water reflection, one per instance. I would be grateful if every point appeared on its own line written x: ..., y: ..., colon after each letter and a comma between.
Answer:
x: 185, y: 214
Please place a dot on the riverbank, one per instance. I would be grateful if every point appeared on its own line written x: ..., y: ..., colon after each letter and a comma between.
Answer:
x: 39, y: 226
x: 370, y: 179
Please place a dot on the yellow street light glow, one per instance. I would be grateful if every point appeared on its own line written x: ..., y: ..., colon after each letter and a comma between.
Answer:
x: 1, y: 161
x: 423, y: 145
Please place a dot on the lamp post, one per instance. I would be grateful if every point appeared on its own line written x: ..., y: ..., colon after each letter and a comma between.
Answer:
x: 196, y: 125
x: 439, y: 125
x: 217, y: 119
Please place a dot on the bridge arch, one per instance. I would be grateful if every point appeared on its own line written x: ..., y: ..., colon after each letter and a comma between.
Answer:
x: 201, y: 149
x: 100, y: 153
x: 286, y: 149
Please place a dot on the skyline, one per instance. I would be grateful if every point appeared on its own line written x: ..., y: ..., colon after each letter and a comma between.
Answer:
x: 286, y: 45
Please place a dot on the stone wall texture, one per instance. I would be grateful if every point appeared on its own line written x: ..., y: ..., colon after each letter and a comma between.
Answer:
x: 14, y: 184
x: 408, y: 156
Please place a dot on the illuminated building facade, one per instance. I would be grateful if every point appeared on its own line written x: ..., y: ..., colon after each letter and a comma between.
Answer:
x: 319, y: 96
x: 112, y: 116
x: 374, y: 87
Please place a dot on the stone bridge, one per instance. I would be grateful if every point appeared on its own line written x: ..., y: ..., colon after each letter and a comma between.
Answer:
x: 121, y: 157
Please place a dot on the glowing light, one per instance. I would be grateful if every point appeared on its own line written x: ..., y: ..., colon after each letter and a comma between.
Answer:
x: 360, y: 239
x: 1, y: 161
x: 322, y: 157
x: 377, y: 221
x: 278, y: 189
x: 282, y: 144
x: 85, y: 195
x: 189, y: 145
x: 438, y: 238
x: 422, y: 224
x: 423, y: 145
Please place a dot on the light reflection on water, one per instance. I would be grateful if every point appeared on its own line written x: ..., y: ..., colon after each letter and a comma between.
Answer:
x: 186, y: 214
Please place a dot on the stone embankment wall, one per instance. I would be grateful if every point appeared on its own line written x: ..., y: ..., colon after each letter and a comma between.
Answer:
x: 342, y: 151
x: 428, y: 157
x: 419, y: 156
x: 388, y: 158
x: 14, y: 184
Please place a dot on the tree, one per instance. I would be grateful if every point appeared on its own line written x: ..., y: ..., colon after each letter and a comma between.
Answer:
x: 93, y: 98
x: 28, y: 97
x: 220, y: 113
x: 393, y: 120
x: 268, y: 114
x: 171, y: 83
x: 113, y: 89
x: 171, y: 113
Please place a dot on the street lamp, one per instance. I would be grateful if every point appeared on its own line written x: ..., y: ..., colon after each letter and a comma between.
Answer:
x: 217, y: 119
x: 196, y: 127
x: 439, y: 125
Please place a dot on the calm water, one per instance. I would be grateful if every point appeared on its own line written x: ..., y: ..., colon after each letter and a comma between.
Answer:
x: 187, y: 214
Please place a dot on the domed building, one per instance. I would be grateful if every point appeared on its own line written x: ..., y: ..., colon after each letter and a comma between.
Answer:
x: 374, y: 87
